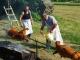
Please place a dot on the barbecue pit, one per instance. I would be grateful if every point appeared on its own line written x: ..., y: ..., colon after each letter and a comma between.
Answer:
x: 10, y: 51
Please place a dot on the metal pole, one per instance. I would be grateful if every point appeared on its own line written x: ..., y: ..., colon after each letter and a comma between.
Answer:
x: 8, y: 6
x: 9, y: 2
x: 6, y: 38
x: 40, y: 42
x: 36, y: 48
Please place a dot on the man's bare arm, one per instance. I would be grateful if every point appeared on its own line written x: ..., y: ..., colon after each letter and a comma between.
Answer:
x: 41, y: 30
x: 54, y: 26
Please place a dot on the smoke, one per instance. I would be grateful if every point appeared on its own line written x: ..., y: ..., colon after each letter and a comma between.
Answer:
x: 15, y: 47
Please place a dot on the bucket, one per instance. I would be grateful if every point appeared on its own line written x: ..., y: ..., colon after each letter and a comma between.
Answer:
x: 49, y: 36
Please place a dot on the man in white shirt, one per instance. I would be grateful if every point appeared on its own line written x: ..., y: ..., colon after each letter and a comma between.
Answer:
x: 52, y: 27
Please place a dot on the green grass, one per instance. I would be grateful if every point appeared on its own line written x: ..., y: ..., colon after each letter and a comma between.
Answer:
x: 77, y: 48
x: 66, y: 3
x: 68, y: 20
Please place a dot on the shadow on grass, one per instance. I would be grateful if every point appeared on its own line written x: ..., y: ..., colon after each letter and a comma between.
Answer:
x: 34, y: 45
x: 30, y: 44
x: 9, y: 38
x: 4, y: 37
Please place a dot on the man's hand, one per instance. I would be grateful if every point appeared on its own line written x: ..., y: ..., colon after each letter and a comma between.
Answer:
x: 41, y: 32
x: 21, y: 25
x: 51, y: 31
x: 54, y: 26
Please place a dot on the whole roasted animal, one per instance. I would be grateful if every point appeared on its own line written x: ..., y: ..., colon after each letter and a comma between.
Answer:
x: 66, y: 51
x: 21, y: 35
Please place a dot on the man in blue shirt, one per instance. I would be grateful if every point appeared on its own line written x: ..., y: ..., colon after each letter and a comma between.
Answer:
x: 52, y: 27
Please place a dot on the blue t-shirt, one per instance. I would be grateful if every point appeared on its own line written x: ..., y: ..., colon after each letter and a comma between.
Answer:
x: 50, y: 21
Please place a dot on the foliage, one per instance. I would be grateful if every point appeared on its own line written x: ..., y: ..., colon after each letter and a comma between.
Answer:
x: 19, y: 5
x: 66, y: 3
x: 74, y: 1
x: 2, y: 3
x: 36, y: 16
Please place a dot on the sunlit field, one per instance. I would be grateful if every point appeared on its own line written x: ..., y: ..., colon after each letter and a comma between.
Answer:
x: 68, y: 18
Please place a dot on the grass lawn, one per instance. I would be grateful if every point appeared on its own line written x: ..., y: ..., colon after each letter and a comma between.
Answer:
x: 68, y: 18
x: 66, y: 3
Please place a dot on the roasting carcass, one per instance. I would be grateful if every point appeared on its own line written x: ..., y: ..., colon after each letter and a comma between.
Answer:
x: 66, y: 51
x: 17, y: 35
